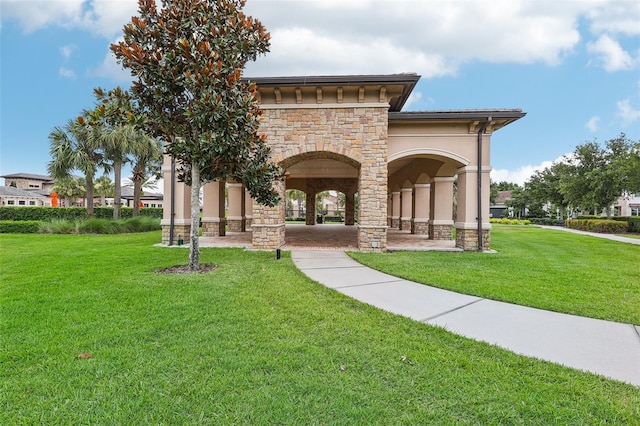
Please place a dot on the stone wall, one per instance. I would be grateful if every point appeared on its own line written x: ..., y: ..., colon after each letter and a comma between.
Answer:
x: 356, y: 135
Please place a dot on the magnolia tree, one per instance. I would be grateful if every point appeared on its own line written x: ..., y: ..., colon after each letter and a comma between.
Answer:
x: 187, y: 59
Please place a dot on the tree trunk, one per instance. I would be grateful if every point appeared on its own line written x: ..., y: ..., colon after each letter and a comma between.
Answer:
x: 89, y: 182
x: 117, y: 171
x: 194, y: 243
x: 137, y: 189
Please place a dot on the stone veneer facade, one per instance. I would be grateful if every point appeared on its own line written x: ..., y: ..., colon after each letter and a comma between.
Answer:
x: 350, y: 133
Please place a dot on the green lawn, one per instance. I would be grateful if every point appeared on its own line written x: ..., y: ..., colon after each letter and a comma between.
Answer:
x: 253, y: 342
x: 543, y: 268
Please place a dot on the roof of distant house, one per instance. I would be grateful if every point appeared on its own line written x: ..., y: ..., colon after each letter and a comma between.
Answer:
x: 10, y: 191
x: 503, y: 196
x: 127, y: 192
x: 27, y: 176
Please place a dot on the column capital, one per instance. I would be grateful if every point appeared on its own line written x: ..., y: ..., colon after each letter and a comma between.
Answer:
x: 444, y: 179
x: 474, y: 169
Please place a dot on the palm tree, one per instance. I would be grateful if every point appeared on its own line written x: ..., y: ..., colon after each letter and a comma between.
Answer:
x: 104, y: 188
x: 146, y: 153
x: 73, y: 147
x: 70, y: 188
x: 116, y: 143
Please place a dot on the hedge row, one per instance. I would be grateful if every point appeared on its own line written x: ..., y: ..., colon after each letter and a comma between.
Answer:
x: 71, y: 213
x: 546, y: 221
x: 597, y: 225
x: 19, y: 227
x: 633, y: 222
x: 507, y: 221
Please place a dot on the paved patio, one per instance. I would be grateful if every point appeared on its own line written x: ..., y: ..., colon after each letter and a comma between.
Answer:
x: 337, y: 237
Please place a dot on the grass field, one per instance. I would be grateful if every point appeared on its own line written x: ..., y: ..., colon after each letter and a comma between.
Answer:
x: 253, y: 342
x: 536, y: 267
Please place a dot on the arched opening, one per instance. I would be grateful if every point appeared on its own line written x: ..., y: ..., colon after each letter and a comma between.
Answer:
x: 327, y: 183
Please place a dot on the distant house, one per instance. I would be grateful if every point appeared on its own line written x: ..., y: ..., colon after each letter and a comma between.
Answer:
x: 627, y: 206
x: 148, y: 199
x: 26, y: 189
x: 29, y: 181
x: 10, y: 196
x: 499, y: 208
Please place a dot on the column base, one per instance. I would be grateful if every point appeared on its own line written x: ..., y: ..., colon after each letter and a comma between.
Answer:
x: 372, y: 239
x: 420, y: 228
x: 267, y: 237
x: 395, y: 222
x: 467, y: 239
x: 236, y: 224
x: 406, y: 225
x: 214, y: 228
x: 440, y: 232
x: 180, y: 232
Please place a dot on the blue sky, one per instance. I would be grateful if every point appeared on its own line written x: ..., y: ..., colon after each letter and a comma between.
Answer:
x: 573, y: 66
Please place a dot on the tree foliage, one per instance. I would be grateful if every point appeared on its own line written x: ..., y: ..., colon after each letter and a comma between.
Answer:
x: 73, y: 147
x: 592, y: 178
x: 187, y: 59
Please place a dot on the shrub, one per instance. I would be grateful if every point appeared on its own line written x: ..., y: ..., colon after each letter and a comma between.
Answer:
x: 58, y: 226
x: 507, y: 221
x: 99, y: 226
x: 597, y: 225
x: 546, y: 221
x: 19, y: 227
x: 633, y: 222
x: 140, y: 224
x: 71, y: 213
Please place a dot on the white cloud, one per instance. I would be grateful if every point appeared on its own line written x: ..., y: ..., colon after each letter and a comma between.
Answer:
x: 66, y: 73
x: 34, y: 15
x: 627, y: 112
x: 615, y: 17
x: 521, y: 174
x: 612, y: 56
x: 111, y: 69
x: 593, y: 124
x: 67, y: 50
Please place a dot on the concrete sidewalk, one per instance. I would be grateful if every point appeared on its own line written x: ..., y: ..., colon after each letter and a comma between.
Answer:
x: 611, y: 237
x: 603, y: 347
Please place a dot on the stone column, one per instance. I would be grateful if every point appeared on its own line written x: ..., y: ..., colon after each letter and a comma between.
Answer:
x: 441, y: 219
x: 268, y: 223
x: 349, y: 208
x: 389, y: 209
x: 421, y: 206
x: 406, y: 209
x: 248, y: 210
x: 467, y: 212
x: 372, y: 216
x: 310, y: 214
x: 213, y: 220
x: 395, y: 209
x: 236, y: 207
x: 180, y: 194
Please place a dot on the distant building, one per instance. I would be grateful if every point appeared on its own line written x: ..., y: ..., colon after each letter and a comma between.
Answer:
x: 26, y: 189
x: 28, y: 181
x: 499, y: 208
x: 627, y: 206
x: 10, y: 196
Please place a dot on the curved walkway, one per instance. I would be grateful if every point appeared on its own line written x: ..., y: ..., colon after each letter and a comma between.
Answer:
x: 603, y: 347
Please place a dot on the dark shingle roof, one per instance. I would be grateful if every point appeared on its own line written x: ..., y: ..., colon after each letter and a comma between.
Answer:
x: 10, y: 191
x: 27, y: 176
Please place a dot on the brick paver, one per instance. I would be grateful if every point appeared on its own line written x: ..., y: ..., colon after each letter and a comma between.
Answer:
x: 330, y: 237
